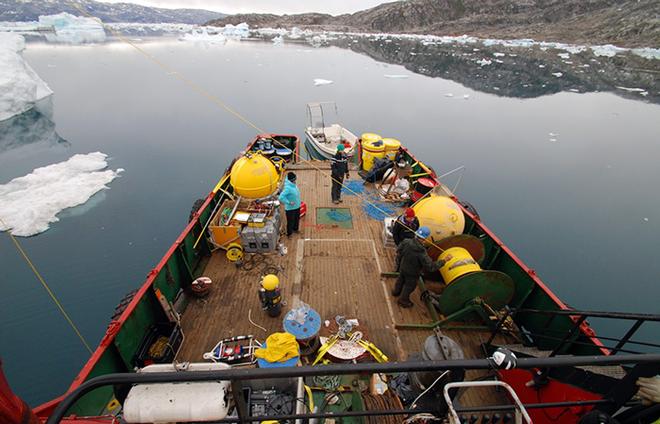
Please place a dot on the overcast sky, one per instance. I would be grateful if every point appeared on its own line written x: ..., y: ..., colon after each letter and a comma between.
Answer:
x: 334, y: 7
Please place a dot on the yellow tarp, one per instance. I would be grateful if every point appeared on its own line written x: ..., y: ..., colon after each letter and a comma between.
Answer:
x: 280, y: 347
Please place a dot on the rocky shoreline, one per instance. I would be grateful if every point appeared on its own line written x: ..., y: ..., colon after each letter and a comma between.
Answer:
x: 625, y: 24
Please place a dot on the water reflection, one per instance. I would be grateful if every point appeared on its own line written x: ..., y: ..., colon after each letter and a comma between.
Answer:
x: 515, y: 71
x: 33, y: 127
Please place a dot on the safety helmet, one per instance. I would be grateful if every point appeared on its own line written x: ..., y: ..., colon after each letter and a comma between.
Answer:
x: 410, y: 213
x: 423, y: 232
x: 270, y: 282
x: 340, y: 147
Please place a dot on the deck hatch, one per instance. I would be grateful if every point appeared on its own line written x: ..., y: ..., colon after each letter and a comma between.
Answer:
x: 334, y: 217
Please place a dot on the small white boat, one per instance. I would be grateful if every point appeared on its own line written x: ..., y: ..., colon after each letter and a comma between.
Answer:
x: 321, y: 139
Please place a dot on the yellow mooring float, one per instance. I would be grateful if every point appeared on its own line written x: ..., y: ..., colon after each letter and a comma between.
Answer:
x: 254, y: 176
x: 441, y: 215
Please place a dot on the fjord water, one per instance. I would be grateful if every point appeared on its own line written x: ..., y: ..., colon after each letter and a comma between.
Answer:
x: 582, y: 210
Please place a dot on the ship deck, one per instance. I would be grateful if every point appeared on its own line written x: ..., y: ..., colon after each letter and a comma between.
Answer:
x: 337, y: 271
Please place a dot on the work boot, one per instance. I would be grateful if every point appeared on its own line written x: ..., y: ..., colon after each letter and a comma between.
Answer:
x: 404, y: 303
x: 340, y: 201
x: 396, y: 292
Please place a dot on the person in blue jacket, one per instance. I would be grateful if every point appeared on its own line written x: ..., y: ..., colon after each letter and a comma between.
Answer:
x: 290, y: 198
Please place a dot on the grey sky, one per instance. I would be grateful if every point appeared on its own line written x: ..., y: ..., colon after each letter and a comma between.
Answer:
x: 334, y: 7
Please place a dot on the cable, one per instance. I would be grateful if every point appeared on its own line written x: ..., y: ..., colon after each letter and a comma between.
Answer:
x: 47, y: 288
x: 254, y: 323
x: 412, y: 405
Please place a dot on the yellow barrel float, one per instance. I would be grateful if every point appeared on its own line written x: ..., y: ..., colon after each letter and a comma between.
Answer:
x: 254, y: 176
x: 441, y: 214
x: 391, y: 147
x: 461, y: 263
x: 372, y: 148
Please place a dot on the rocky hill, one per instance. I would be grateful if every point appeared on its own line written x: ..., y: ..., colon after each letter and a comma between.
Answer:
x: 29, y: 10
x: 631, y: 23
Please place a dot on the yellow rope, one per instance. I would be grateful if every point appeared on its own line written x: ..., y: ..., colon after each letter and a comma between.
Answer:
x: 46, y: 287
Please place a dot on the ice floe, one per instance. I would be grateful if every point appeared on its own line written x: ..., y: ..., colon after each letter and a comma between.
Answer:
x: 320, y: 81
x: 20, y: 86
x: 30, y: 203
x: 73, y: 29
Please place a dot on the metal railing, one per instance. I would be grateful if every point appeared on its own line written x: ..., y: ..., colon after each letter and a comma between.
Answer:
x: 570, y: 337
x: 238, y: 375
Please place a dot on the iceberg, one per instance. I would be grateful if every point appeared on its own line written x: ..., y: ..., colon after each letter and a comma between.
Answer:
x: 241, y: 30
x: 202, y: 35
x: 73, y: 29
x: 30, y: 203
x: 20, y: 86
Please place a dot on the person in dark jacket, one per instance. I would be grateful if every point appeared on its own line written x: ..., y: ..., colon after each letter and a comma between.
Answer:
x: 405, y: 226
x: 412, y: 260
x: 290, y: 198
x: 338, y: 170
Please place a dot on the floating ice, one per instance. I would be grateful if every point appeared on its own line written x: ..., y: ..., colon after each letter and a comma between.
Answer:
x: 241, y: 30
x: 553, y: 139
x: 278, y: 40
x: 564, y: 55
x: 558, y: 74
x: 553, y: 134
x: 541, y: 66
x: 640, y: 90
x: 29, y: 203
x: 203, y: 36
x: 645, y: 219
x: 20, y: 86
x: 73, y: 29
x: 466, y: 96
x: 393, y: 76
x: 484, y: 62
x: 449, y: 95
x: 319, y: 81
x: 496, y: 54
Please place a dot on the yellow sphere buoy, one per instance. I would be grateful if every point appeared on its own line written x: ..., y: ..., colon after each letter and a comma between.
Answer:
x: 441, y: 214
x: 254, y: 176
x: 270, y: 282
x: 461, y: 263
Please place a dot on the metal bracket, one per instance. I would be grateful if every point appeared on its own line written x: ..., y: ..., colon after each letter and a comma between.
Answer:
x: 521, y: 412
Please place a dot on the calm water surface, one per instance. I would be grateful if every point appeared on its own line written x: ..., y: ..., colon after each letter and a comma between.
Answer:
x: 582, y: 210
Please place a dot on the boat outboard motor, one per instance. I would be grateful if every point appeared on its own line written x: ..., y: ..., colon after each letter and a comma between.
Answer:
x: 436, y: 348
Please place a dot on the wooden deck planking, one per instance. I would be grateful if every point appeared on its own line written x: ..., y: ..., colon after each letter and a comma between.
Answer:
x: 339, y: 274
